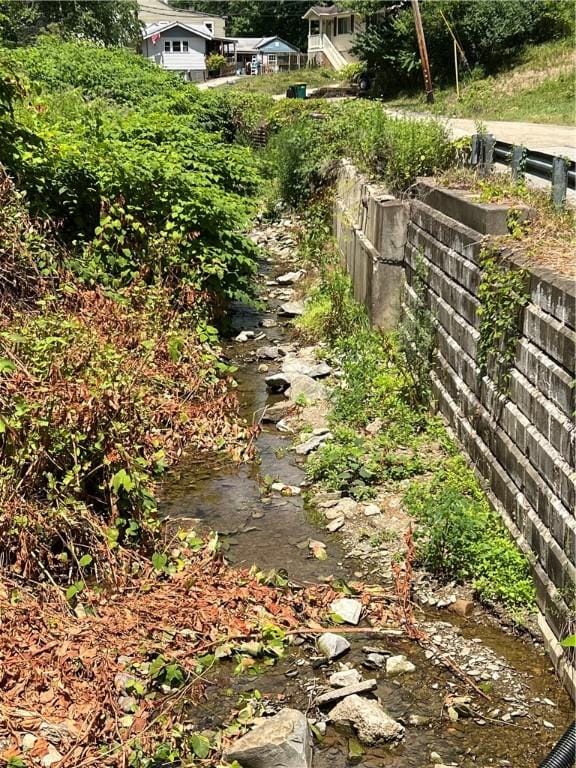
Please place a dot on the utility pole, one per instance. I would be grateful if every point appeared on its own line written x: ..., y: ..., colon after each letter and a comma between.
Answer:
x: 423, y: 52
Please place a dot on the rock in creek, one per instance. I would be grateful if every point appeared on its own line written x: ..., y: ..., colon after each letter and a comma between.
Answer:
x: 399, y: 665
x: 290, y: 277
x: 267, y: 353
x: 283, y: 741
x: 311, y: 444
x: 332, y: 646
x: 306, y: 367
x: 344, y: 678
x: 375, y: 661
x: 347, y: 609
x: 336, y: 524
x: 304, y: 386
x: 368, y: 718
x: 331, y: 697
x: 276, y: 412
x: 345, y: 506
x: 278, y: 382
x: 462, y: 607
x: 292, y: 309
x: 244, y: 336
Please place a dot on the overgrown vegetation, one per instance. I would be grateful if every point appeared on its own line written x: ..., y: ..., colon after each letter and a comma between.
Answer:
x: 544, y: 234
x: 122, y: 235
x: 502, y: 294
x: 385, y: 434
x: 539, y: 89
x: 306, y: 149
x: 491, y: 35
x: 462, y: 538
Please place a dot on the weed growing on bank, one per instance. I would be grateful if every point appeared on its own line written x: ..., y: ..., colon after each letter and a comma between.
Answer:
x: 305, y: 150
x: 384, y: 434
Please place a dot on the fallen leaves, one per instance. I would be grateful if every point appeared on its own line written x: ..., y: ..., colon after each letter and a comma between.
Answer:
x: 60, y: 673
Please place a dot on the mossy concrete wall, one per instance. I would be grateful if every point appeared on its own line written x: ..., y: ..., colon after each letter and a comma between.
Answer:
x: 523, y: 445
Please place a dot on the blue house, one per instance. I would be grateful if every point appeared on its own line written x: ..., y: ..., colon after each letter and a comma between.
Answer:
x: 261, y: 55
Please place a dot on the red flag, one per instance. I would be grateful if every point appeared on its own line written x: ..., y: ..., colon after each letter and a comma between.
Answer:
x: 155, y: 38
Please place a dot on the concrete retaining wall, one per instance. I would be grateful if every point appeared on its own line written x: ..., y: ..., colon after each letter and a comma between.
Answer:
x: 524, y: 446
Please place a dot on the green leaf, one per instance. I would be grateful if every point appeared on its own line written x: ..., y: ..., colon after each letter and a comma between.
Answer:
x: 569, y: 642
x: 122, y: 479
x: 159, y: 561
x: 200, y: 745
x: 85, y: 561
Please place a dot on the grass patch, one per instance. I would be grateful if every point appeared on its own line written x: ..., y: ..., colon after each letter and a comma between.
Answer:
x: 539, y: 90
x: 548, y: 238
x: 278, y: 82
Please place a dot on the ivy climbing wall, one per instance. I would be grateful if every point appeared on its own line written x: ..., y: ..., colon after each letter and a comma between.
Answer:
x: 501, y: 361
x: 503, y: 376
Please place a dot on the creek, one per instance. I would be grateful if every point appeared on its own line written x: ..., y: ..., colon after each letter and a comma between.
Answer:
x: 272, y: 531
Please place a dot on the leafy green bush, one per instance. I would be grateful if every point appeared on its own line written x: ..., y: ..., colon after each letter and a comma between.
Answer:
x: 461, y: 537
x: 346, y: 463
x: 331, y: 311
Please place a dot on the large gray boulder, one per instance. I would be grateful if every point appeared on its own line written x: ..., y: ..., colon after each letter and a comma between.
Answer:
x: 368, y: 718
x: 304, y: 386
x: 312, y: 368
x: 283, y: 741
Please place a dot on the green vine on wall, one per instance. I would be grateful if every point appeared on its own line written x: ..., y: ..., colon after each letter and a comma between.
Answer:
x: 503, y: 295
x: 416, y: 333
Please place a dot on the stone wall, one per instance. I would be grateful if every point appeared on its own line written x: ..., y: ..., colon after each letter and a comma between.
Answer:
x: 524, y: 445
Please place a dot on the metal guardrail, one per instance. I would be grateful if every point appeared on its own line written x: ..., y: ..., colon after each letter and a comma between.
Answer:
x: 558, y: 171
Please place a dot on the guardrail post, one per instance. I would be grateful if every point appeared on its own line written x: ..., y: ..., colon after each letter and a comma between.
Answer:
x: 559, y: 181
x: 476, y: 149
x: 517, y: 162
x: 489, y: 145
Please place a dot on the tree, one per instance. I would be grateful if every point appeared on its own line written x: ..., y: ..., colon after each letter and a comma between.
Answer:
x: 114, y: 22
x: 260, y: 18
x: 492, y: 34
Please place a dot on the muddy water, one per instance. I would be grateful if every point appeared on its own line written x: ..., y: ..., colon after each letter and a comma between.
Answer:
x: 272, y: 531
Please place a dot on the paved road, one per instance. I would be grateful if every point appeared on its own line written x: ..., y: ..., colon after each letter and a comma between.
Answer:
x: 554, y: 139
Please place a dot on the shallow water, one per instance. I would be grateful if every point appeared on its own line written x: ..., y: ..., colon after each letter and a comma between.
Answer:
x: 272, y: 532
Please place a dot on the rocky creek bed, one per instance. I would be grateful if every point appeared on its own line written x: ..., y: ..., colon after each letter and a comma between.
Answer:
x: 468, y: 694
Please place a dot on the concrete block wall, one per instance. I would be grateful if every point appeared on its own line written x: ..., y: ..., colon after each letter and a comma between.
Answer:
x: 523, y: 445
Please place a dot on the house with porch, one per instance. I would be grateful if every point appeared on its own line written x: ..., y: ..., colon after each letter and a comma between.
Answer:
x: 262, y: 55
x: 181, y: 40
x: 331, y: 34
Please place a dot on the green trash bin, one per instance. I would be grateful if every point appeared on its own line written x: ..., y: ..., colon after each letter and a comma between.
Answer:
x: 296, y: 91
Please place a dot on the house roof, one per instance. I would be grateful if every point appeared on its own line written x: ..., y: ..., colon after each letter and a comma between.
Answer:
x: 154, y: 11
x: 253, y: 44
x: 164, y: 26
x: 325, y: 10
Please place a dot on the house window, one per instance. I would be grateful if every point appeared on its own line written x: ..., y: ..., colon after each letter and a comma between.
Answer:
x: 210, y: 25
x: 315, y: 27
x: 352, y: 24
x: 184, y: 46
x: 344, y: 25
x: 176, y: 46
x: 166, y: 46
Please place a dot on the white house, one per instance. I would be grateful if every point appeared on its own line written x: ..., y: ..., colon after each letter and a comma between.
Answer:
x: 331, y: 35
x: 177, y: 46
x: 181, y: 40
x: 155, y: 11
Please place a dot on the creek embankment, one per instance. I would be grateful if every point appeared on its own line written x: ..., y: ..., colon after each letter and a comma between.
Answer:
x: 524, y: 711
